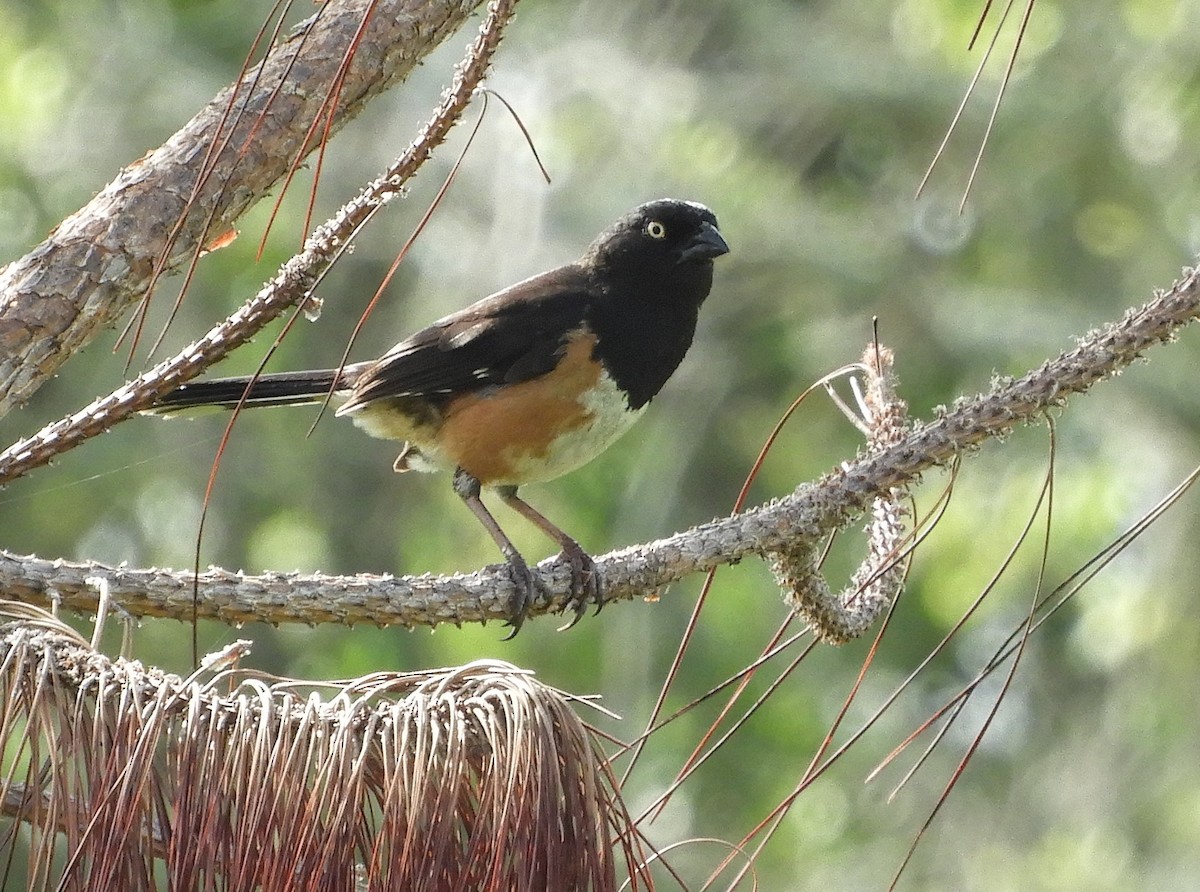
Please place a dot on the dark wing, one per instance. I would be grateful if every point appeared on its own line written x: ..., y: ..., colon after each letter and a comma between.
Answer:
x: 514, y: 335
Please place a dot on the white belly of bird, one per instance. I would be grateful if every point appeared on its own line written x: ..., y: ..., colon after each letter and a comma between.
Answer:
x: 609, y: 416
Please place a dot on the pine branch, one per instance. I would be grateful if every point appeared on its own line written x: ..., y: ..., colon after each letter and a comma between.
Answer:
x: 806, y: 515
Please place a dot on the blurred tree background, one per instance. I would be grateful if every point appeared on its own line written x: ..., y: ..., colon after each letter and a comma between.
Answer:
x: 806, y: 126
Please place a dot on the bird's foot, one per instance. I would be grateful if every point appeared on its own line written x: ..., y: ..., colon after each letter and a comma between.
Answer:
x: 527, y: 586
x: 585, y: 583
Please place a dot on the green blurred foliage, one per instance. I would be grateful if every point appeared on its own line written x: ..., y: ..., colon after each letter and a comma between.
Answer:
x: 807, y: 127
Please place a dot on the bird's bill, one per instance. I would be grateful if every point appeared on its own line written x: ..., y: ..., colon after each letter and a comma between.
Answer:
x: 706, y: 245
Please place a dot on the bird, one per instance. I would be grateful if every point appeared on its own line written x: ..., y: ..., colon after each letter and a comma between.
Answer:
x: 526, y: 384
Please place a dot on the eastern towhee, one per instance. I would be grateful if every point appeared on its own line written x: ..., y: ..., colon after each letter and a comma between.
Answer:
x: 526, y: 384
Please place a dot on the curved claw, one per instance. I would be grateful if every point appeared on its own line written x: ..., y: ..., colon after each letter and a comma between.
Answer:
x: 585, y: 584
x: 585, y: 589
x: 526, y: 586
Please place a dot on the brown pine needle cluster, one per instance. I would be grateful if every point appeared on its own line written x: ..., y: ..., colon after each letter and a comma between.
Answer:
x: 119, y: 777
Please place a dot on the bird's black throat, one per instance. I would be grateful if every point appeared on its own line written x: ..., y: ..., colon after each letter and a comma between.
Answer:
x: 643, y: 331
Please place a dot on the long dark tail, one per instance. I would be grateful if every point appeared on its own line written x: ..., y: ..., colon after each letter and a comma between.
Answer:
x: 276, y: 389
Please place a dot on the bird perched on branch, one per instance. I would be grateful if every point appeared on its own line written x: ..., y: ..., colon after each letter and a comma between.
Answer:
x: 527, y: 384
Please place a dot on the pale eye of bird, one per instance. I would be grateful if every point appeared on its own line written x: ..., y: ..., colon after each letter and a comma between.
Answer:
x: 656, y: 230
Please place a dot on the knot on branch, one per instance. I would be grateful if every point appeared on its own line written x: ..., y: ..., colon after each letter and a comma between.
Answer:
x: 838, y: 618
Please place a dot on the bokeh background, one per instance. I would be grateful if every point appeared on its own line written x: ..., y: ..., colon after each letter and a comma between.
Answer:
x: 807, y: 127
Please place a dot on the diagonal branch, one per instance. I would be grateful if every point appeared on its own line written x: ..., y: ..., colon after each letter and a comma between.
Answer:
x: 100, y: 261
x: 807, y: 514
x: 291, y: 286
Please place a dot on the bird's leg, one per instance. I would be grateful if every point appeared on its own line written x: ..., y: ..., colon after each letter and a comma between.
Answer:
x: 523, y: 579
x: 585, y: 581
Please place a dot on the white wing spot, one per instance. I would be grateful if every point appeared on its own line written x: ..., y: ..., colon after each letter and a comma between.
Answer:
x: 467, y: 335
